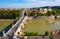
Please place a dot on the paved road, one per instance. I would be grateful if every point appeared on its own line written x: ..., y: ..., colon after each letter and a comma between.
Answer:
x: 10, y: 33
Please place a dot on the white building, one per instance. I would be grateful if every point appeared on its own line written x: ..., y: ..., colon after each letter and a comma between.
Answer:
x: 43, y: 10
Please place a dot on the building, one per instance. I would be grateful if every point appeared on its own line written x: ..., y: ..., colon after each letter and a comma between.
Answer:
x: 49, y: 9
x: 43, y: 10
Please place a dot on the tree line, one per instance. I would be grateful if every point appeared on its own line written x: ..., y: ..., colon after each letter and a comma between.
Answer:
x: 9, y: 14
x: 47, y: 33
x: 49, y: 13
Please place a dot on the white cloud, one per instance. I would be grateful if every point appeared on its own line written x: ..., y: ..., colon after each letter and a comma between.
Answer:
x: 34, y: 3
x: 57, y: 2
x: 39, y: 4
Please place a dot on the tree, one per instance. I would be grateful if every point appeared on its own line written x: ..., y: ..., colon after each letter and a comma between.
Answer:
x: 46, y: 33
x: 9, y: 14
x: 38, y: 14
x: 53, y: 12
x: 31, y: 14
x: 31, y: 34
x: 49, y: 13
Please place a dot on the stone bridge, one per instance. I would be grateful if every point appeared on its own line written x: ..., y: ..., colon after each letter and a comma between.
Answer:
x: 15, y: 28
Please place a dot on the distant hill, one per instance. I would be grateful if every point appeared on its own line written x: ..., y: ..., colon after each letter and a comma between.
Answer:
x: 53, y: 7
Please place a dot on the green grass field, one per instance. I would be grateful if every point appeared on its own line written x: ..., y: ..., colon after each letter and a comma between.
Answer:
x: 38, y: 25
x: 5, y: 22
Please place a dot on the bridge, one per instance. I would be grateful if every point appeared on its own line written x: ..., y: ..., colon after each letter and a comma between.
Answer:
x: 14, y: 28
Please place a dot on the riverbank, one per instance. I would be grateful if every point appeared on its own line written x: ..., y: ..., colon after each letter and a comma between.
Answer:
x: 40, y: 25
x: 5, y: 22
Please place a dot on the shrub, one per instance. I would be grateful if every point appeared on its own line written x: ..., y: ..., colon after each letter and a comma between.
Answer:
x: 9, y: 14
x: 46, y: 33
x: 31, y: 34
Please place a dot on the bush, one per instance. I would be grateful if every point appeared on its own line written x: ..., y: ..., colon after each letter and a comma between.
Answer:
x: 31, y: 34
x: 9, y: 14
x: 46, y: 33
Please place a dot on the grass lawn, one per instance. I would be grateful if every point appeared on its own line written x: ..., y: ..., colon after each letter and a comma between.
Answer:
x: 5, y: 22
x: 38, y: 25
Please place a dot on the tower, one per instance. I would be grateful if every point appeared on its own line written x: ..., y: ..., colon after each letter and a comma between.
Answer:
x: 49, y: 8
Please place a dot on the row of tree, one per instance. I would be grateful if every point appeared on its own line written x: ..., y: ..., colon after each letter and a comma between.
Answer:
x: 9, y: 14
x: 49, y: 13
x: 35, y: 33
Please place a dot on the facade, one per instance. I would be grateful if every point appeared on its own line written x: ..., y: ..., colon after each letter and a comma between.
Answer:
x: 43, y: 10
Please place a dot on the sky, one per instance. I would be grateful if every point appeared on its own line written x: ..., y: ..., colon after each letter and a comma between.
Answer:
x: 28, y: 3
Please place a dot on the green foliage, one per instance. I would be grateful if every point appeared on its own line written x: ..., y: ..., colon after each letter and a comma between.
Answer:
x: 54, y: 12
x: 32, y: 14
x: 36, y: 14
x: 9, y: 14
x: 49, y: 13
x: 46, y: 33
x: 40, y: 14
x: 31, y: 34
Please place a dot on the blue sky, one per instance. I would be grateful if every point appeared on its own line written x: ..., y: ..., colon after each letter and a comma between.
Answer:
x: 28, y: 3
